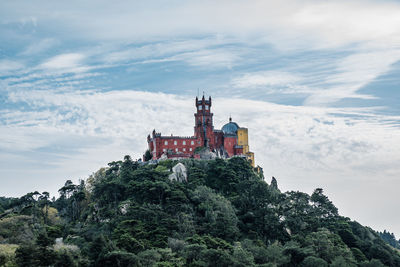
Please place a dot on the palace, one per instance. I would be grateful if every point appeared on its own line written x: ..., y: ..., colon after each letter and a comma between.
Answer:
x: 230, y: 141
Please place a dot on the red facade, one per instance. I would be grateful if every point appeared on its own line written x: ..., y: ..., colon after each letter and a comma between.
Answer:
x: 204, y: 136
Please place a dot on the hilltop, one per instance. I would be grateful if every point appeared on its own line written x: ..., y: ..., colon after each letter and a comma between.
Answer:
x: 209, y: 213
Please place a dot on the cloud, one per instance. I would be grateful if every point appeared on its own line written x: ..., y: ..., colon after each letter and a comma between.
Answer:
x: 304, y: 136
x: 9, y: 66
x: 264, y: 79
x: 39, y: 46
x: 210, y: 58
x: 158, y: 49
x: 199, y: 52
x: 353, y: 73
x: 339, y: 23
x: 364, y: 35
x: 316, y: 23
x: 70, y: 62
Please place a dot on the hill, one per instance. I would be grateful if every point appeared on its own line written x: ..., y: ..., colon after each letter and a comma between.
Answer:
x: 222, y: 213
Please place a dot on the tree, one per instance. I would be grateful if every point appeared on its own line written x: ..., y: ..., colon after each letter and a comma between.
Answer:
x: 65, y: 259
x: 312, y: 261
x: 45, y: 254
x: 3, y: 259
x: 242, y: 257
x: 274, y: 183
x: 26, y: 256
x: 215, y: 214
x: 324, y: 207
x: 67, y: 190
x: 147, y: 155
x: 44, y: 205
x: 131, y: 214
x: 372, y: 263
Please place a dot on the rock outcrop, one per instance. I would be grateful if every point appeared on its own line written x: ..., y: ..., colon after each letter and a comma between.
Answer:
x: 179, y: 173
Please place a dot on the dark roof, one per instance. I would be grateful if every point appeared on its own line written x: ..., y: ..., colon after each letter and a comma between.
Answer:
x: 230, y: 128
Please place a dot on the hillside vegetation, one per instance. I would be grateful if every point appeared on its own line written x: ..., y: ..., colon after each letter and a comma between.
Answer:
x: 225, y: 214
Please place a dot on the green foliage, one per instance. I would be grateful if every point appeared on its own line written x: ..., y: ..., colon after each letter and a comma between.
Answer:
x: 131, y: 214
x: 390, y: 239
x: 372, y: 263
x: 7, y: 203
x: 147, y: 155
x: 215, y: 214
x: 17, y: 229
x: 26, y: 256
x: 199, y: 149
x: 7, y: 255
x: 312, y: 261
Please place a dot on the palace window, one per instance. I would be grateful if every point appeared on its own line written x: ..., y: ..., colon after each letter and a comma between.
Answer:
x: 190, y: 149
x: 164, y: 150
x: 176, y: 149
x: 192, y: 143
x: 165, y: 142
x: 183, y: 142
x: 200, y: 107
x: 175, y: 142
x: 184, y: 149
x: 206, y: 107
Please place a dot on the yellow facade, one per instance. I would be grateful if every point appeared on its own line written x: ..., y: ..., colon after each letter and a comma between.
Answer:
x: 243, y: 140
x: 250, y: 156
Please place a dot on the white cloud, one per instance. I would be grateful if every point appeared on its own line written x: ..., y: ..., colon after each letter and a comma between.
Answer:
x: 340, y: 23
x: 369, y: 31
x: 159, y: 49
x: 200, y: 52
x: 210, y: 58
x: 39, y: 46
x: 352, y: 73
x: 70, y: 62
x: 312, y: 23
x: 8, y: 66
x: 264, y: 79
x: 302, y: 135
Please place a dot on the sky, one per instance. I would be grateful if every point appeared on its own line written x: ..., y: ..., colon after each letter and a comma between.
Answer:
x: 317, y: 84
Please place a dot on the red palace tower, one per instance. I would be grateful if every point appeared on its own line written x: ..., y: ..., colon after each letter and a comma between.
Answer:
x: 230, y: 141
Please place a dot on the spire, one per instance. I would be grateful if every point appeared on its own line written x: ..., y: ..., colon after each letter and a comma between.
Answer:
x: 230, y: 118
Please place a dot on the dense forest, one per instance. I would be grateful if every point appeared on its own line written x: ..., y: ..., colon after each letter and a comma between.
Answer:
x: 222, y: 214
